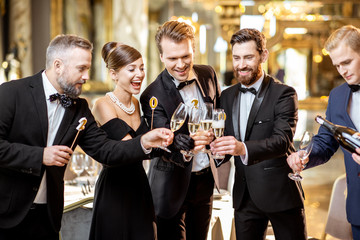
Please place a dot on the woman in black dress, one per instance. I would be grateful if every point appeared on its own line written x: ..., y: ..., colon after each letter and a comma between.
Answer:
x: 123, y: 206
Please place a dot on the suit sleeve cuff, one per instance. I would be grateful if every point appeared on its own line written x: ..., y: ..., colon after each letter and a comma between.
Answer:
x: 245, y: 158
x: 146, y: 151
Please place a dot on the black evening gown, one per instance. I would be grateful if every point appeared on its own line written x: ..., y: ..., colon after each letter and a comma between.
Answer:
x: 123, y: 205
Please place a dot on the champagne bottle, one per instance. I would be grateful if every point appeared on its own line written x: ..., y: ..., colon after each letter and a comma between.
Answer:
x: 348, y: 138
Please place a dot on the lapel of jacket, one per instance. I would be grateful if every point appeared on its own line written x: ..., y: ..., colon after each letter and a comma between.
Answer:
x: 345, y: 104
x: 203, y: 86
x: 37, y: 90
x: 172, y: 98
x: 65, y: 123
x: 256, y: 104
x: 236, y: 111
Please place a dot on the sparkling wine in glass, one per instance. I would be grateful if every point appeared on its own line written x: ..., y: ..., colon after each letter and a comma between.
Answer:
x: 218, y: 126
x: 177, y: 120
x: 178, y: 117
x: 304, y: 151
x: 193, y: 126
x: 206, y: 119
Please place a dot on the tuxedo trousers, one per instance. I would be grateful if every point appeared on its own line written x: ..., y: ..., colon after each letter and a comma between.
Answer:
x: 35, y: 226
x: 251, y: 223
x: 193, y: 219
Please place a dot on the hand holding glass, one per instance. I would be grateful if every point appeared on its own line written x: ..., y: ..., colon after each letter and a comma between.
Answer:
x: 304, y: 151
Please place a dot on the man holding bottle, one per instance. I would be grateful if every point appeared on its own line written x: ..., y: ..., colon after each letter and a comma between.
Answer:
x: 343, y: 109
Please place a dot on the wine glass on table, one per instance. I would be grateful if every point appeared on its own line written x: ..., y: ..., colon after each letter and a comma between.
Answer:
x: 304, y: 151
x: 218, y: 126
x: 91, y: 167
x: 206, y: 119
x: 77, y: 163
x: 193, y: 126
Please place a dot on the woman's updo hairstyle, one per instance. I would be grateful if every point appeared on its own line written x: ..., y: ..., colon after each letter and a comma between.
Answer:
x: 117, y: 55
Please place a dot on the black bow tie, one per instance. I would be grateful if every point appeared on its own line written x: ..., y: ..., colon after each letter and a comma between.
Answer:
x: 183, y: 84
x: 64, y: 100
x: 244, y: 90
x: 354, y: 88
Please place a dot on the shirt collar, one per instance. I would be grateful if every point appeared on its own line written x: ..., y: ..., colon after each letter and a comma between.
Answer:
x: 48, y: 87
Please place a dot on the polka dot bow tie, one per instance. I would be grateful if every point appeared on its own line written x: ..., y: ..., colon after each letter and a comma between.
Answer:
x: 64, y: 100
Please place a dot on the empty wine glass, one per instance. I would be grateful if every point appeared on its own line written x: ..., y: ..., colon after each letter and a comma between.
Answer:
x: 304, y: 151
x: 77, y: 163
x: 193, y: 125
x: 91, y: 167
x: 206, y: 119
x: 218, y: 126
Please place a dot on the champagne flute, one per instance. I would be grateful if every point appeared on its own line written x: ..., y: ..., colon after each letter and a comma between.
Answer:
x: 304, y: 151
x: 177, y: 120
x: 193, y: 125
x: 206, y: 119
x: 218, y: 126
x: 178, y: 117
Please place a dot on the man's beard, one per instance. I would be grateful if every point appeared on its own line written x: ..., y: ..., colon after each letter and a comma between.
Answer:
x: 245, y: 80
x: 69, y: 90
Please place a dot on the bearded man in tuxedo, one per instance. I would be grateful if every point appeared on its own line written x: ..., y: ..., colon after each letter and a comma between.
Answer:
x: 39, y: 116
x: 259, y: 128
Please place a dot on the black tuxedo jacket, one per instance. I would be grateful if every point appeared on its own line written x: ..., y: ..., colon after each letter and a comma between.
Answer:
x: 268, y: 138
x: 168, y: 181
x: 23, y: 137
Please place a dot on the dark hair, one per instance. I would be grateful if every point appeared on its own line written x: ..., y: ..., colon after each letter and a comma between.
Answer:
x: 349, y: 34
x: 249, y: 34
x: 176, y: 31
x: 59, y: 46
x: 117, y: 55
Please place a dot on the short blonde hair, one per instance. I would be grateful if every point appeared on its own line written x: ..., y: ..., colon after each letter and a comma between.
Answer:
x: 176, y: 31
x: 349, y: 34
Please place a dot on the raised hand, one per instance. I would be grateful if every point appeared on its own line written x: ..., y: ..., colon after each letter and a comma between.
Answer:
x: 157, y: 137
x: 228, y: 145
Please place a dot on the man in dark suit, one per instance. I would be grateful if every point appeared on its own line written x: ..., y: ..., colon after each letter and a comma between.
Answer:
x: 343, y: 109
x: 38, y: 124
x: 259, y: 128
x: 182, y: 191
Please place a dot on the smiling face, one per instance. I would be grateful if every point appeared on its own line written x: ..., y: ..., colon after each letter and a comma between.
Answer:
x: 347, y: 62
x: 129, y: 78
x: 247, y: 62
x: 73, y: 71
x: 178, y: 57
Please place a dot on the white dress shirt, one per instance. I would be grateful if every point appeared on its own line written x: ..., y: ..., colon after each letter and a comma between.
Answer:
x: 55, y: 115
x: 188, y: 94
x: 246, y: 102
x: 353, y: 109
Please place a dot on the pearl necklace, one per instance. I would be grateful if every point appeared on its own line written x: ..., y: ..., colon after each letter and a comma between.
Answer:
x: 129, y: 110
